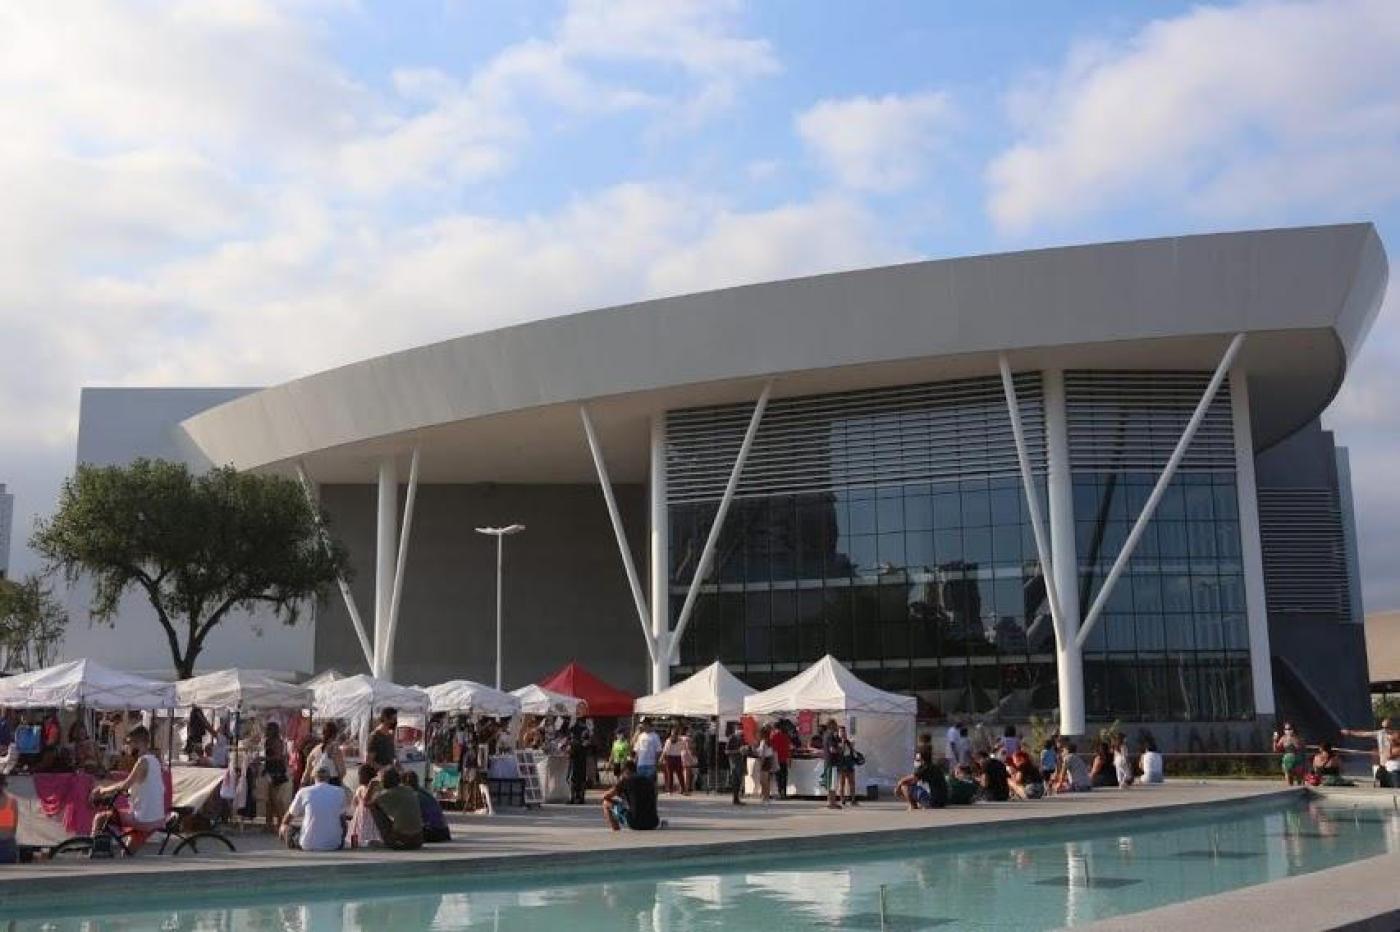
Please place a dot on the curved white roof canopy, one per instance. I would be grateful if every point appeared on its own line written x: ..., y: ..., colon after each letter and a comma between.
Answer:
x: 502, y: 405
x: 710, y: 693
x: 242, y: 689
x: 84, y: 683
x: 358, y: 698
x: 827, y: 686
x: 471, y: 698
x: 536, y: 700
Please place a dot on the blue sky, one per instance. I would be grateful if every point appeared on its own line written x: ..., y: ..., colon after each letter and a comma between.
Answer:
x: 246, y: 192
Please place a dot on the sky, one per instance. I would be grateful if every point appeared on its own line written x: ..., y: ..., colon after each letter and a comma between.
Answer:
x: 245, y: 192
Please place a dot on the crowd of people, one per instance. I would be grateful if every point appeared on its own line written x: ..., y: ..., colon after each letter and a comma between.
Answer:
x: 1323, y: 767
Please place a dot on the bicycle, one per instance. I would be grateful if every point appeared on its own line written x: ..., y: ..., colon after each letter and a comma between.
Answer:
x: 126, y: 841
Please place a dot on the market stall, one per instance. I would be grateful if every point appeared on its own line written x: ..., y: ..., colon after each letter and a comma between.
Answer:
x: 473, y: 701
x: 714, y: 695
x: 604, y: 700
x: 54, y: 805
x: 536, y: 700
x: 357, y: 701
x: 881, y: 724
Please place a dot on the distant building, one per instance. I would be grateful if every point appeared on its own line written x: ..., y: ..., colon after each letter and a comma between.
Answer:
x: 1383, y: 652
x: 7, y: 517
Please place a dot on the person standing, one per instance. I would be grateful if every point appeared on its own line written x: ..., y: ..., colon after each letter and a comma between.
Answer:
x: 782, y: 751
x: 578, y: 766
x: 1289, y: 745
x: 831, y: 764
x: 673, y: 761
x: 736, y: 752
x: 383, y: 743
x: 275, y: 783
x: 329, y: 754
x: 647, y: 748
x: 619, y: 753
x: 951, y: 741
x: 848, y: 759
x: 767, y: 764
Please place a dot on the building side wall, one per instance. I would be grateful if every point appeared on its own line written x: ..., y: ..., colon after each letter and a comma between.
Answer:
x: 565, y: 594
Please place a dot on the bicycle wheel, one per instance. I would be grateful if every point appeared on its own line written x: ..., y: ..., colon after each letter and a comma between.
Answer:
x: 213, y: 843
x: 72, y: 848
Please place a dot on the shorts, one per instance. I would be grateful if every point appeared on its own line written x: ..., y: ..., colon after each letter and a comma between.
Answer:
x: 921, y: 795
x: 647, y: 770
x: 621, y: 813
x: 1034, y: 790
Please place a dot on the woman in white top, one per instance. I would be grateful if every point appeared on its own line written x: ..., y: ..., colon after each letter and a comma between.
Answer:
x: 328, y: 752
x: 1122, y: 766
x: 146, y: 786
x: 767, y: 763
x: 1151, y: 765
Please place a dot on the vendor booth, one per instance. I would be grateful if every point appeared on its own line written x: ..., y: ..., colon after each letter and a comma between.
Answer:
x: 464, y: 697
x: 604, y: 700
x: 536, y: 700
x: 357, y: 701
x: 880, y: 724
x: 242, y: 691
x: 713, y: 692
x: 55, y: 805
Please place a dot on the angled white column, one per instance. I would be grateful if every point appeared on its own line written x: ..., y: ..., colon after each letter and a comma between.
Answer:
x: 1160, y: 488
x: 387, y: 652
x: 1251, y: 550
x: 385, y: 556
x: 629, y: 566
x: 1042, y: 541
x: 659, y: 529
x: 308, y: 487
x: 1064, y: 560
x: 702, y: 566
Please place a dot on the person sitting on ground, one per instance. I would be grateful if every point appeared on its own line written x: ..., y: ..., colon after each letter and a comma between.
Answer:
x: 1152, y: 771
x: 1101, y: 773
x: 435, y: 828
x: 397, y: 813
x: 1073, y: 775
x: 1381, y: 737
x: 962, y: 788
x: 317, y: 817
x: 9, y: 825
x: 925, y: 787
x: 1008, y: 744
x: 632, y: 802
x: 146, y: 786
x: 1049, y: 761
x: 1122, y: 763
x: 992, y: 777
x: 1327, y: 767
x: 1025, y: 777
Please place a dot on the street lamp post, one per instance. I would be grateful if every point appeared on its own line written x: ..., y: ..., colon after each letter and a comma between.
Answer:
x: 499, y: 533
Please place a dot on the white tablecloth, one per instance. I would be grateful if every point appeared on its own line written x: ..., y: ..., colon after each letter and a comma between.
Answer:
x: 804, y: 777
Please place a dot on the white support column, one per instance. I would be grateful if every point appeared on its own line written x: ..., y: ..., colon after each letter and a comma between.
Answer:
x: 1042, y: 546
x: 1251, y: 552
x: 702, y: 566
x: 309, y: 488
x: 385, y: 556
x: 387, y: 658
x: 659, y: 551
x: 1064, y: 561
x: 1158, y: 490
x: 628, y: 565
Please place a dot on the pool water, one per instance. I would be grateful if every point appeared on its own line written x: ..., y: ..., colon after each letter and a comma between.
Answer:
x: 1051, y: 879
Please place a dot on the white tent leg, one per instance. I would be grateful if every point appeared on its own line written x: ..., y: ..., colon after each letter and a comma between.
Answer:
x: 702, y: 566
x: 345, y: 593
x: 638, y: 599
x: 1160, y: 488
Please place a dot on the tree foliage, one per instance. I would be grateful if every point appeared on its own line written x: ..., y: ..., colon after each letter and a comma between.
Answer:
x: 198, y: 546
x: 32, y: 622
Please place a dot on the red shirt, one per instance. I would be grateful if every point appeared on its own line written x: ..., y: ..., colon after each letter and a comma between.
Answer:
x: 782, y: 747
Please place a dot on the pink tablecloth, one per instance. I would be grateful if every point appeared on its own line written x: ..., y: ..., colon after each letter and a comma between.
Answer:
x: 54, y: 806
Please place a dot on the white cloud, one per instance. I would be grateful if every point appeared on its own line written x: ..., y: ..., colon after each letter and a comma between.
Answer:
x: 878, y: 144
x: 1239, y: 112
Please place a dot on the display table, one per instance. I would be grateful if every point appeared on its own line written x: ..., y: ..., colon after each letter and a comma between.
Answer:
x: 804, y: 777
x: 54, y: 806
x: 554, y: 778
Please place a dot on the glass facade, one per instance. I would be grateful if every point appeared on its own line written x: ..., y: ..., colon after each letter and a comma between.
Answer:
x: 928, y: 583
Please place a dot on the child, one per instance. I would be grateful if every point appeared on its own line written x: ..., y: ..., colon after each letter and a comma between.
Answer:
x: 363, y: 832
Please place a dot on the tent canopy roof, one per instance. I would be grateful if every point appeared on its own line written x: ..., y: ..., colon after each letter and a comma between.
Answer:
x: 471, y: 697
x: 827, y: 686
x: 536, y: 700
x: 363, y: 695
x: 242, y: 689
x: 711, y: 692
x: 603, y: 699
x: 86, y: 683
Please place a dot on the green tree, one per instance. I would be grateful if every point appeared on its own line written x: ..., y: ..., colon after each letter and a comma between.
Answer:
x: 31, y: 623
x: 198, y: 546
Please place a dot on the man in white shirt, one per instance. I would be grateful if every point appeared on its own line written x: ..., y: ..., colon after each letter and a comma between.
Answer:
x: 322, y: 808
x: 1382, y: 737
x: 647, y: 747
x: 952, y: 738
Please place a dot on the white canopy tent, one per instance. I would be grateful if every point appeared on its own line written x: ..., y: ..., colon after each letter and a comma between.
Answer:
x: 536, y: 700
x: 85, y: 683
x: 244, y: 690
x: 358, y: 699
x: 881, y: 723
x: 468, y: 697
x: 713, y: 692
x: 324, y: 677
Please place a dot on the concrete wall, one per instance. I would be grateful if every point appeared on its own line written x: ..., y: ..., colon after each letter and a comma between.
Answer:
x: 566, y: 594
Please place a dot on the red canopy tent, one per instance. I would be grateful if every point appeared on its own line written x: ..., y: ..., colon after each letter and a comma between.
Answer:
x: 603, y: 700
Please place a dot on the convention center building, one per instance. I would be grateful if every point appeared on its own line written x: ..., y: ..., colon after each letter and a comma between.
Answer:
x: 1087, y: 484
